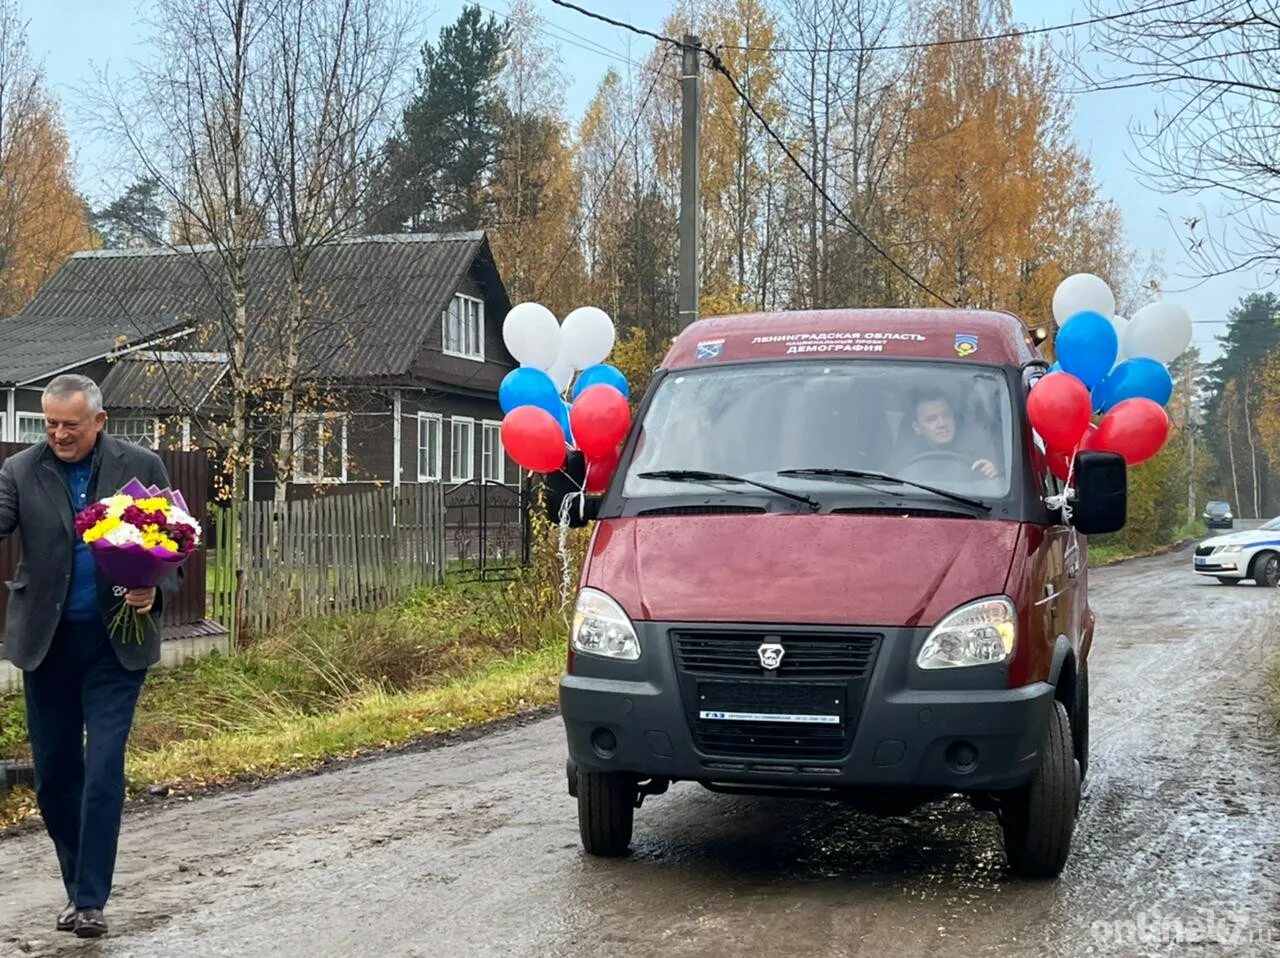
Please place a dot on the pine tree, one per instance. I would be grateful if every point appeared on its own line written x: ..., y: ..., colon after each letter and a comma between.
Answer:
x: 439, y: 166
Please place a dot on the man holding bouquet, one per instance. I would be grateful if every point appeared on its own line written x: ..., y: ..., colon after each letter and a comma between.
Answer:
x: 81, y: 680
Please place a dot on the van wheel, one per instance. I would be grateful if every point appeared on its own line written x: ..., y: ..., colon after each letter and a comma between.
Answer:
x: 1266, y: 570
x: 606, y: 811
x: 1039, y: 818
x: 1080, y: 723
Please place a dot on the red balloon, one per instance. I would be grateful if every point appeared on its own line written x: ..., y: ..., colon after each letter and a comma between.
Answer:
x: 1060, y: 462
x: 1059, y: 407
x: 533, y: 438
x: 599, y: 419
x: 600, y: 471
x: 1135, y: 428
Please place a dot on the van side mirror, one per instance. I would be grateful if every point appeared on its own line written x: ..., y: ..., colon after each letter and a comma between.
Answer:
x: 565, y: 482
x: 1102, y: 493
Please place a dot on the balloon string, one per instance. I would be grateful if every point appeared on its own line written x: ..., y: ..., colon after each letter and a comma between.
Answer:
x: 1062, y: 501
x: 562, y: 546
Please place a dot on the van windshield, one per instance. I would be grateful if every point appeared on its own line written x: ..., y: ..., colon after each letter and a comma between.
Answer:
x: 947, y: 425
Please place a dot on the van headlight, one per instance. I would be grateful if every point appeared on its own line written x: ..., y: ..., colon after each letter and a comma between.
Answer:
x: 600, y: 627
x: 1230, y: 550
x: 980, y: 633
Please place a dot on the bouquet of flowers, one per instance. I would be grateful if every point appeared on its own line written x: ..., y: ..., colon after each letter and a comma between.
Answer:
x: 137, y: 537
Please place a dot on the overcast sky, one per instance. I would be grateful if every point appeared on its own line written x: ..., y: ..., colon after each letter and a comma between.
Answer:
x: 72, y: 37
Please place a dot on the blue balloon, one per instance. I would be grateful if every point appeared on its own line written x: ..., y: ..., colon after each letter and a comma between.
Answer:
x: 1140, y: 378
x: 601, y: 375
x: 527, y: 386
x: 1087, y: 346
x: 1055, y: 368
x: 563, y: 418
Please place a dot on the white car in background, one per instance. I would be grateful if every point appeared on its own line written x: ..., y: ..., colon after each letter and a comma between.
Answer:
x: 1252, y: 554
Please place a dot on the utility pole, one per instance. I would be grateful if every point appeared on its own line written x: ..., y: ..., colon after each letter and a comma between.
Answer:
x: 689, y: 88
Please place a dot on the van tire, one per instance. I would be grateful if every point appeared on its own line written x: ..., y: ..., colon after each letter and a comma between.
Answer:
x: 1080, y: 723
x: 1038, y: 819
x: 606, y: 812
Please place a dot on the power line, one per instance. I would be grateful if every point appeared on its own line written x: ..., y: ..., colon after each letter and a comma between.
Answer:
x: 625, y: 26
x: 587, y: 44
x: 927, y: 44
x: 604, y: 186
x: 719, y: 66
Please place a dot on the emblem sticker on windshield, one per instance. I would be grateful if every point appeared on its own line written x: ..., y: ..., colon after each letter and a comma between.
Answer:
x: 709, y: 350
x: 966, y: 344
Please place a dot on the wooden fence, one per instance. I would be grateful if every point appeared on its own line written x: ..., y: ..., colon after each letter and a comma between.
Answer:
x: 332, y: 554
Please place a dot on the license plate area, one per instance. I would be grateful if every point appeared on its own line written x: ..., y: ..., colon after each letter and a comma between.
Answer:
x: 765, y: 703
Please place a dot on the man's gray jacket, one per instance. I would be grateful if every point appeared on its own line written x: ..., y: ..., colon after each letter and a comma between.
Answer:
x: 36, y: 501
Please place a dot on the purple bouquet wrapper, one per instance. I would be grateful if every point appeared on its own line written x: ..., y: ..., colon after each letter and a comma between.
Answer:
x: 133, y: 566
x: 136, y: 489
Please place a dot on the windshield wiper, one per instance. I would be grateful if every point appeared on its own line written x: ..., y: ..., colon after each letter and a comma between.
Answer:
x: 856, y: 474
x: 711, y: 478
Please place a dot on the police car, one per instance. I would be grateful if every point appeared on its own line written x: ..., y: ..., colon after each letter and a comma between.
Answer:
x: 1253, y: 554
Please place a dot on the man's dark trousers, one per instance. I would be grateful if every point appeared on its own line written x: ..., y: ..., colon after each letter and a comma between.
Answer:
x: 80, y: 705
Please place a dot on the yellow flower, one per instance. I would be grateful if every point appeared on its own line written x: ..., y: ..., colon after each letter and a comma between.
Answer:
x: 116, y: 506
x: 101, y: 528
x: 152, y: 539
x: 159, y: 504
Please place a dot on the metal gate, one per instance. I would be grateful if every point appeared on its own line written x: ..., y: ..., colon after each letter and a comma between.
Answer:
x: 486, y: 530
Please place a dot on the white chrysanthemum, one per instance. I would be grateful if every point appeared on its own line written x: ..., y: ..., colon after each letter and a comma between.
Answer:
x: 124, y: 534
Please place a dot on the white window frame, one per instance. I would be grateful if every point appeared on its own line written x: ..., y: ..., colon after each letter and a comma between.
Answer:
x: 152, y: 424
x: 462, y: 301
x: 299, y: 422
x: 438, y: 420
x: 493, y: 462
x: 28, y: 417
x: 470, y: 424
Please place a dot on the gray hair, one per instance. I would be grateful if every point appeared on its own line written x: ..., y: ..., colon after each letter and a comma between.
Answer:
x: 66, y: 386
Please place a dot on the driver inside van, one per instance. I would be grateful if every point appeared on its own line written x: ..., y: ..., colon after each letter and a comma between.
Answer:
x: 937, y: 430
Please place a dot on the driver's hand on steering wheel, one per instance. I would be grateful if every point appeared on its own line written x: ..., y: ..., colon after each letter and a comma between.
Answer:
x: 985, y: 467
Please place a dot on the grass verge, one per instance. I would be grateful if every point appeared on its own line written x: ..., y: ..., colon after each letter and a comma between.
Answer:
x: 443, y: 659
x: 1110, y: 551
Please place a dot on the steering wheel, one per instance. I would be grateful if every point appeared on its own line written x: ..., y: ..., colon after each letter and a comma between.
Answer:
x: 952, y: 462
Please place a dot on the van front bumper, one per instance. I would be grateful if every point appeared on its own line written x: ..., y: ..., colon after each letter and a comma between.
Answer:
x: 901, y: 727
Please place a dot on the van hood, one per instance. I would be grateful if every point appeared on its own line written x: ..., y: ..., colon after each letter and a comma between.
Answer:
x: 855, y: 570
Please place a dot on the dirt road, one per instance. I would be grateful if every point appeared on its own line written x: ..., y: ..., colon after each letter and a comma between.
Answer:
x: 473, y: 849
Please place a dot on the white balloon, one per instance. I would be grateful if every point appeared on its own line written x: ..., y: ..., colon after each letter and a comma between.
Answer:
x: 1120, y: 324
x: 1159, y: 331
x: 561, y: 372
x: 532, y: 335
x: 588, y: 336
x: 1080, y: 292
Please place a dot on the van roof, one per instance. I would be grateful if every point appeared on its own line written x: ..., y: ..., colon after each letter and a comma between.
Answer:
x: 957, y: 334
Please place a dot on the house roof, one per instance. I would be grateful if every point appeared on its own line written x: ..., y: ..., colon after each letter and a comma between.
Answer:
x: 163, y: 381
x: 372, y: 301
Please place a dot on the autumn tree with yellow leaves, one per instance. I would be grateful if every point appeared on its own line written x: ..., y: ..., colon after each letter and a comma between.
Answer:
x: 996, y: 203
x: 42, y: 218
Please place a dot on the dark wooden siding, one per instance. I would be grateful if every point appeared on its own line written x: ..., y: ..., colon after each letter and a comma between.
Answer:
x: 467, y: 374
x: 187, y: 473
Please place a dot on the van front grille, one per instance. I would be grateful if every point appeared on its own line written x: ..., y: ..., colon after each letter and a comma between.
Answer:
x: 804, y: 656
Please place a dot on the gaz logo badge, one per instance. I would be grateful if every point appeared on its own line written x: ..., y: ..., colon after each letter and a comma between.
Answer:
x: 771, y: 654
